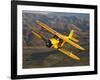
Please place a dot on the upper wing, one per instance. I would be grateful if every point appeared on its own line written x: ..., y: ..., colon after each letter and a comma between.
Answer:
x: 48, y: 29
x: 73, y: 44
x: 64, y: 38
x: 69, y: 54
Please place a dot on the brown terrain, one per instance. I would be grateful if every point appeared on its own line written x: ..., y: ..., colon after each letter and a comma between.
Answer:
x: 37, y: 55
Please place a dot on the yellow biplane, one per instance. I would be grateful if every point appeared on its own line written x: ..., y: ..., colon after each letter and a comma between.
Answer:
x: 58, y: 40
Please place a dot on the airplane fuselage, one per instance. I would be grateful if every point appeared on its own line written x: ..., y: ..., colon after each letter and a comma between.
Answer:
x: 54, y: 43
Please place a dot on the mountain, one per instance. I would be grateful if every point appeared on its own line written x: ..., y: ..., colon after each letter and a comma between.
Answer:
x: 35, y: 54
x: 61, y: 22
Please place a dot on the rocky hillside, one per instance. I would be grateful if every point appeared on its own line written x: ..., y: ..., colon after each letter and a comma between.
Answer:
x: 35, y: 54
x: 61, y: 22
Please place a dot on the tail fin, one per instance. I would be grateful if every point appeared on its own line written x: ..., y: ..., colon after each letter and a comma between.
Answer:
x: 71, y: 36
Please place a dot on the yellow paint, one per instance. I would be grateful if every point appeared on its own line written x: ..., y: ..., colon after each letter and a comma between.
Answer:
x: 54, y: 42
x: 62, y: 43
x: 68, y: 39
x: 71, y: 36
x: 69, y: 54
x: 63, y: 37
x: 36, y: 34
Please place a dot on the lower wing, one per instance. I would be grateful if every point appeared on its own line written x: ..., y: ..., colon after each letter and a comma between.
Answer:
x: 69, y: 54
x: 38, y: 35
